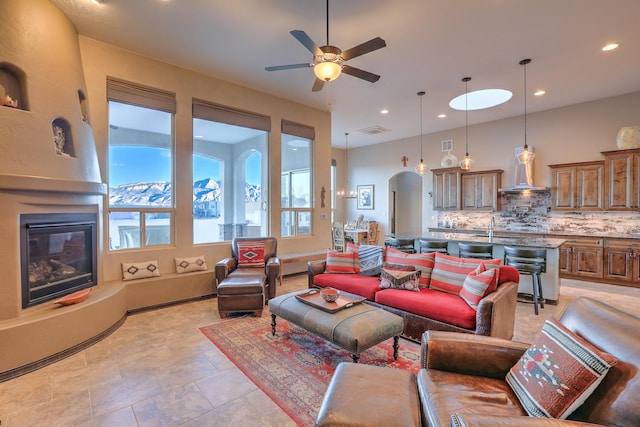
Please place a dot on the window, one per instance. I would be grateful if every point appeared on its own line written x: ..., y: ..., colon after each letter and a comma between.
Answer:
x: 230, y: 159
x: 141, y: 208
x: 296, y: 179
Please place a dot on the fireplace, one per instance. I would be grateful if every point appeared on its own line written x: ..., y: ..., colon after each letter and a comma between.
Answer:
x: 57, y: 255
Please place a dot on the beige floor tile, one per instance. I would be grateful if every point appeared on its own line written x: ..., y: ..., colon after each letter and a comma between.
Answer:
x: 225, y: 386
x: 172, y: 408
x: 123, y: 417
x: 70, y: 409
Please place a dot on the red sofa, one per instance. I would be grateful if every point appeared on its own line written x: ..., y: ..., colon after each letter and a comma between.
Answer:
x: 431, y: 309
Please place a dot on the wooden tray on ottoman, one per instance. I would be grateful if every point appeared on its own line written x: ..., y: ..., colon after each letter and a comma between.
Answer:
x: 314, y: 299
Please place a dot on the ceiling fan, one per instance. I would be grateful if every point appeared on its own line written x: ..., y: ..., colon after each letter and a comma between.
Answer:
x: 329, y: 61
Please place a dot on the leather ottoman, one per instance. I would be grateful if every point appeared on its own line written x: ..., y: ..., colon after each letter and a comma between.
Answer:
x: 368, y: 395
x: 241, y: 295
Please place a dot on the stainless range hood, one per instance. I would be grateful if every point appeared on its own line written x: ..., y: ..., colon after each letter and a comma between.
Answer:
x: 523, y: 177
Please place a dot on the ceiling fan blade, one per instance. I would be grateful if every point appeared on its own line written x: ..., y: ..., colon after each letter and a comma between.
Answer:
x: 361, y: 49
x: 287, y: 67
x: 361, y: 74
x: 317, y: 85
x: 306, y: 41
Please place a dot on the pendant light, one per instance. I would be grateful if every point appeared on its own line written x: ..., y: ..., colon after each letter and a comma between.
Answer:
x: 421, y: 169
x: 527, y: 154
x: 346, y: 194
x: 467, y: 162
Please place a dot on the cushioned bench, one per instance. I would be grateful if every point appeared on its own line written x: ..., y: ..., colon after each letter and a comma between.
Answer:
x: 355, y: 329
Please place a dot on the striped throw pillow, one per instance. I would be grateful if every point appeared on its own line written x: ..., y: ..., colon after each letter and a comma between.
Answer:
x: 477, y: 284
x: 422, y: 262
x: 338, y: 262
x: 558, y: 372
x: 449, y: 272
x: 369, y: 259
x: 251, y: 254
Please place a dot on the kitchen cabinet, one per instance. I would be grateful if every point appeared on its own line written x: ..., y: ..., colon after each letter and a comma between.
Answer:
x: 446, y: 189
x: 577, y: 186
x: 622, y: 179
x: 480, y: 190
x: 622, y: 260
x: 581, y: 257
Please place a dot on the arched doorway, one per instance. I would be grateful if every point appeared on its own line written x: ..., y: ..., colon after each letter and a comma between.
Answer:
x: 405, y: 204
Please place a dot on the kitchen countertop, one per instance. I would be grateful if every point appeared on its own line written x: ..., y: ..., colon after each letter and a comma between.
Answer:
x: 453, y: 235
x: 553, y: 234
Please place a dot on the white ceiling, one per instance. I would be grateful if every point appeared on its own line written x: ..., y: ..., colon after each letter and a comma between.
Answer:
x: 431, y: 46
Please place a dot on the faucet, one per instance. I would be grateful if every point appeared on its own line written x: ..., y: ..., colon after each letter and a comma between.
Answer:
x: 492, y: 224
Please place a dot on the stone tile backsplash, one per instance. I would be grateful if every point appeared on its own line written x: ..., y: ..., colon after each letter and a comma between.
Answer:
x: 532, y: 213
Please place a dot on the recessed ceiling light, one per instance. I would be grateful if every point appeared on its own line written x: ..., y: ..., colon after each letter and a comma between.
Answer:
x: 384, y: 111
x: 96, y: 2
x: 198, y: 136
x: 442, y: 116
x: 610, y: 46
x: 540, y: 92
x: 480, y: 99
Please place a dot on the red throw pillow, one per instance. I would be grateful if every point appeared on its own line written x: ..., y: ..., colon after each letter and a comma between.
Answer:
x: 251, y: 254
x: 558, y: 372
x: 449, y: 272
x: 477, y: 284
x: 338, y: 262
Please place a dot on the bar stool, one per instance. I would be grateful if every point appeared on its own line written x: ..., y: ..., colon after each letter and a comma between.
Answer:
x: 531, y: 262
x: 427, y: 246
x: 404, y: 245
x: 475, y: 250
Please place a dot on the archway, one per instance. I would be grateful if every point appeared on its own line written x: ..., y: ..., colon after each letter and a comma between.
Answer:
x: 405, y: 204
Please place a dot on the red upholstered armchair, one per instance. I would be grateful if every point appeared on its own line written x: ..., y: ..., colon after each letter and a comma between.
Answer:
x: 229, y: 267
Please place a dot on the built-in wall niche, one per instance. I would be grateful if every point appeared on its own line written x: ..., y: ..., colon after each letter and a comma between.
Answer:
x: 84, y: 106
x: 62, y: 137
x: 12, y: 89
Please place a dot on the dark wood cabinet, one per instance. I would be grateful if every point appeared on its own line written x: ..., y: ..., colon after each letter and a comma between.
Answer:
x: 480, y: 190
x: 446, y: 189
x: 577, y: 186
x: 622, y: 178
x: 582, y: 257
x: 622, y: 260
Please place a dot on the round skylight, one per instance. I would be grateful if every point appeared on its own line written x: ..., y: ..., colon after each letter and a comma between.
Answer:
x: 480, y: 99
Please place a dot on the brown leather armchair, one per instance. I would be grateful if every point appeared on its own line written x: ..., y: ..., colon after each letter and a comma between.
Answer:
x: 228, y: 267
x: 465, y: 373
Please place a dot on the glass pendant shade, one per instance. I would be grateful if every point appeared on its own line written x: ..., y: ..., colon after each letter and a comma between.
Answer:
x: 421, y: 169
x: 526, y: 155
x: 327, y: 71
x: 346, y: 194
x: 466, y: 163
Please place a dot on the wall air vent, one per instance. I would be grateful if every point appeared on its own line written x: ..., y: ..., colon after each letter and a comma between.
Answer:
x: 447, y: 145
x: 374, y: 130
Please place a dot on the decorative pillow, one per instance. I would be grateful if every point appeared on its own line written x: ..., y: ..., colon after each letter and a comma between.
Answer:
x: 186, y: 265
x: 558, y: 372
x: 370, y: 259
x: 140, y: 270
x: 477, y: 284
x: 338, y: 262
x: 449, y: 272
x: 398, y: 267
x: 396, y: 279
x: 251, y: 254
x: 422, y: 262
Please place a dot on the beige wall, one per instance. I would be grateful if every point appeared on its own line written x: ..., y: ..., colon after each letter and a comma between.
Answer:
x: 570, y: 134
x: 101, y: 60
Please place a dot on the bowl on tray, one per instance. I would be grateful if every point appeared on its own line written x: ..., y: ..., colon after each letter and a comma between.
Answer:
x: 330, y: 294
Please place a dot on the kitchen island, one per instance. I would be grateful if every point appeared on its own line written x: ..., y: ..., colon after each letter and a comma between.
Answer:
x: 550, y: 278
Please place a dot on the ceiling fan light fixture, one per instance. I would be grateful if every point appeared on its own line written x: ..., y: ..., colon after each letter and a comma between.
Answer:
x: 327, y: 71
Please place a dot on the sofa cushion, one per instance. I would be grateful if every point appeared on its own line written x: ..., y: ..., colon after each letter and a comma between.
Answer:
x: 397, y: 279
x: 422, y: 262
x: 558, y: 372
x: 365, y: 286
x: 369, y: 258
x: 251, y: 254
x: 477, y: 284
x: 436, y: 305
x: 508, y: 274
x: 449, y: 272
x: 338, y: 262
x: 140, y: 270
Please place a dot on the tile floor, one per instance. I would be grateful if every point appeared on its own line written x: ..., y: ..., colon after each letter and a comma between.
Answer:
x: 159, y: 370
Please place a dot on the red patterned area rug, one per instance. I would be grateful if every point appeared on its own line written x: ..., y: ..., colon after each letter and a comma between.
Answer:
x: 294, y: 367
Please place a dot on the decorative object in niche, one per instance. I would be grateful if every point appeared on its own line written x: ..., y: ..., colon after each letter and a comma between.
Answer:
x: 7, y: 101
x: 628, y: 137
x: 59, y: 140
x: 62, y: 140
